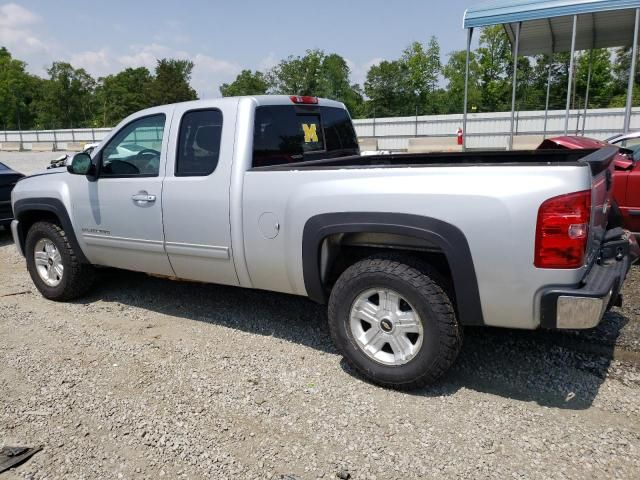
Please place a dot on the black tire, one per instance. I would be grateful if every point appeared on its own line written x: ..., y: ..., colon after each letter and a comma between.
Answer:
x: 77, y: 277
x: 421, y: 286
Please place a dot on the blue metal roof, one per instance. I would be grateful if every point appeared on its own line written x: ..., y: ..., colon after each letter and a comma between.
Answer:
x: 511, y: 11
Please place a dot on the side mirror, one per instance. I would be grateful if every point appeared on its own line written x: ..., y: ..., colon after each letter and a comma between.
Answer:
x: 80, y: 164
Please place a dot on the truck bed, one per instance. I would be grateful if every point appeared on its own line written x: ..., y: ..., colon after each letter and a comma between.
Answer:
x: 598, y: 159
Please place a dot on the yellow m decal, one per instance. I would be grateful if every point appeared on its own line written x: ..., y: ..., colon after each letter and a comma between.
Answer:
x: 310, y: 134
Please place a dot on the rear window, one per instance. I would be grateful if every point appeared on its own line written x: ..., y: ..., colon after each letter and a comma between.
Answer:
x: 286, y: 134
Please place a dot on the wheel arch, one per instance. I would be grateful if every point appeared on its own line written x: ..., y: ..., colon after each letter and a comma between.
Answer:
x: 446, y: 238
x: 31, y: 210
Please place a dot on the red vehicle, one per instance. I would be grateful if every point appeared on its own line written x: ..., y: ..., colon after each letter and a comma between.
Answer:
x: 626, y: 178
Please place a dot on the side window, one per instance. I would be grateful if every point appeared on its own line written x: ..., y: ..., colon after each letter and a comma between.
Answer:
x: 199, y: 143
x: 135, y: 150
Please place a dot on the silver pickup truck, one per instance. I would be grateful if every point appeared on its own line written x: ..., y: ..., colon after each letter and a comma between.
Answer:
x: 270, y: 192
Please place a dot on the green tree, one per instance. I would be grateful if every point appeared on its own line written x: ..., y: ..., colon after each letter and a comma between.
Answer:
x: 18, y: 90
x: 408, y: 85
x: 386, y: 88
x: 335, y: 83
x: 67, y: 99
x: 122, y: 94
x: 454, y: 74
x: 495, y: 62
x: 297, y: 75
x: 620, y: 71
x: 316, y: 74
x: 601, y: 85
x: 171, y: 82
x: 246, y: 83
x: 422, y: 66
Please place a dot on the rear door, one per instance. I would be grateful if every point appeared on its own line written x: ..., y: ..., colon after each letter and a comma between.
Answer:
x: 195, y: 195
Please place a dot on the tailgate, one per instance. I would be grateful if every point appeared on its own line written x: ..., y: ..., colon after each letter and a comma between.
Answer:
x: 601, y: 164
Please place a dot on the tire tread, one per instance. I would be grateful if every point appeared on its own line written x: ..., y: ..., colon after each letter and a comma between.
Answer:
x: 430, y: 283
x: 80, y: 275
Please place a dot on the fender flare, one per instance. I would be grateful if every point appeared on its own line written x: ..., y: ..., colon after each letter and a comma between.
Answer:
x: 52, y: 205
x: 447, y: 237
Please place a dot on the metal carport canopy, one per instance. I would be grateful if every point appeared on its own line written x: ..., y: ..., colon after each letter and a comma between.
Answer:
x: 547, y: 25
x: 550, y: 26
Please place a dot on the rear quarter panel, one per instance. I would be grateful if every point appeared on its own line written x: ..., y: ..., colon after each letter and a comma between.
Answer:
x: 495, y: 207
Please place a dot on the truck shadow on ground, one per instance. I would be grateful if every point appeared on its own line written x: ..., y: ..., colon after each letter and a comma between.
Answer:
x: 555, y: 369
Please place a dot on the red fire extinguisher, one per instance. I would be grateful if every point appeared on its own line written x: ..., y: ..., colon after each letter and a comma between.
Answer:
x: 459, y: 136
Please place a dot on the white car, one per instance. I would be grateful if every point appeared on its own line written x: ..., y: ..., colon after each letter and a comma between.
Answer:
x: 625, y: 140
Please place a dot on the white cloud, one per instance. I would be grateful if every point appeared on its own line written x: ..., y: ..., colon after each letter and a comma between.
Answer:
x: 359, y: 71
x: 208, y: 72
x: 268, y: 62
x: 147, y: 55
x: 13, y: 15
x: 15, y: 30
x: 98, y: 63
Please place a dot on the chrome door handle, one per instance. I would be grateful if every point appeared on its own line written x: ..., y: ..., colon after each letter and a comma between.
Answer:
x: 143, y: 197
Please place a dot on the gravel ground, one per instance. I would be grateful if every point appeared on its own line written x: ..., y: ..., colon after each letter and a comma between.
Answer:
x: 149, y: 378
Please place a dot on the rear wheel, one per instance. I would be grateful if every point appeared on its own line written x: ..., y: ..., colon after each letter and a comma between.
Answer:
x: 54, y: 265
x: 393, y: 322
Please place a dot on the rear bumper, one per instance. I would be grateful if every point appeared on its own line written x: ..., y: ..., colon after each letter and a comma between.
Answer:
x: 584, y: 305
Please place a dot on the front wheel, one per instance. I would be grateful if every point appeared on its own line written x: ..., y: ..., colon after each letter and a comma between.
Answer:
x: 393, y: 322
x: 53, y: 264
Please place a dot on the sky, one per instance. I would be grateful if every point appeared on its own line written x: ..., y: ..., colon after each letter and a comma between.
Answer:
x: 222, y: 37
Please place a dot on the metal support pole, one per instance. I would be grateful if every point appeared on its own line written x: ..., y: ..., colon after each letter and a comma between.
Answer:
x: 570, y: 81
x: 546, y: 105
x: 374, y: 122
x: 578, y: 118
x: 466, y: 90
x: 586, y: 95
x: 632, y: 75
x: 515, y: 84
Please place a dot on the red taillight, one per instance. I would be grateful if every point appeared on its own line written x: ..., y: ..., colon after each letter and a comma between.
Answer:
x: 562, y: 231
x: 304, y: 99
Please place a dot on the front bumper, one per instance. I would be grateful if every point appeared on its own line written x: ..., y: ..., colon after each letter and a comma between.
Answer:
x: 583, y: 305
x: 15, y: 232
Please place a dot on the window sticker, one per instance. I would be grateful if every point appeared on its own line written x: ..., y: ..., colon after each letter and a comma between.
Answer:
x: 310, y: 132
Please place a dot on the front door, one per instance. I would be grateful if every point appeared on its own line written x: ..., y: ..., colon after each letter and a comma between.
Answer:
x: 120, y: 214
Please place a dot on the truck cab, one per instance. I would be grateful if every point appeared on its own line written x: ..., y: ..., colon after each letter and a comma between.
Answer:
x: 140, y: 204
